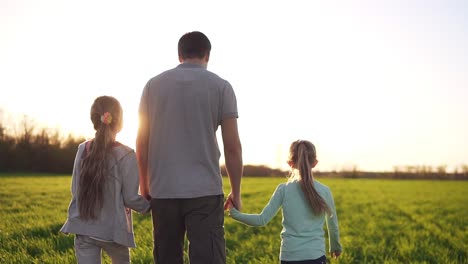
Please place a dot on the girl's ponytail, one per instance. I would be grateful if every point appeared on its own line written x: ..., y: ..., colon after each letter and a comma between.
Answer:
x: 303, y: 155
x: 106, y: 115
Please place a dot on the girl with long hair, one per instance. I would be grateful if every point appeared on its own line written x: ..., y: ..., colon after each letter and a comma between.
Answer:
x: 104, y: 188
x: 307, y: 205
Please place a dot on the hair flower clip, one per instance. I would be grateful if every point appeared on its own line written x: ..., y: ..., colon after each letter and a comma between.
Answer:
x: 106, y: 118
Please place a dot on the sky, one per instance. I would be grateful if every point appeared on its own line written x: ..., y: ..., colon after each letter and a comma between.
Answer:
x: 373, y: 84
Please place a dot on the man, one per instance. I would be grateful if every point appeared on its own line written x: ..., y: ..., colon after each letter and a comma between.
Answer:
x: 178, y: 155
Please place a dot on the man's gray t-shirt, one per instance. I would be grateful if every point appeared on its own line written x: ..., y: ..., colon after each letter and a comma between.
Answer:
x: 184, y: 107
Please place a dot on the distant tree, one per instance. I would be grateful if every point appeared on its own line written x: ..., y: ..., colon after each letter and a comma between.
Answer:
x: 36, y: 150
x: 6, y: 146
x: 442, y: 170
x: 464, y: 169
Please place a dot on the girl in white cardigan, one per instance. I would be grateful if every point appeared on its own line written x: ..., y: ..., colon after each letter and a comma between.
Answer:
x: 104, y: 189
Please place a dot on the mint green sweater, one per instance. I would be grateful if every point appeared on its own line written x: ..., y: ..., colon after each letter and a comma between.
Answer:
x: 302, y: 237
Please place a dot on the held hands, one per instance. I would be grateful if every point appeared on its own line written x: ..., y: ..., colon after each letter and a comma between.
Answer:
x: 144, y: 189
x: 145, y: 193
x: 228, y: 205
x: 335, y: 254
x: 233, y: 201
x: 147, y: 197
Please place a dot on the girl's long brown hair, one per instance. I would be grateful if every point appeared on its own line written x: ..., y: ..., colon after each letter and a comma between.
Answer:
x: 93, y: 165
x: 302, y: 155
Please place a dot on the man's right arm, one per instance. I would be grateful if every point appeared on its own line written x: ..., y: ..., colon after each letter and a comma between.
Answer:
x: 233, y: 159
x: 142, y: 156
x: 142, y: 143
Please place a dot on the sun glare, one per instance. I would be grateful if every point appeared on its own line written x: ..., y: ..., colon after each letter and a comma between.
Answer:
x: 129, y: 132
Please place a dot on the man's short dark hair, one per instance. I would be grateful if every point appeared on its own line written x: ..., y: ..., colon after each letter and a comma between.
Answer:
x: 194, y: 45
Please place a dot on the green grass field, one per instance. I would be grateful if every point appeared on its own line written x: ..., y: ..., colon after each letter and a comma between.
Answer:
x: 381, y: 221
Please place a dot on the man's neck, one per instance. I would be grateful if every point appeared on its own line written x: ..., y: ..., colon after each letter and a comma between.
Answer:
x: 201, y: 61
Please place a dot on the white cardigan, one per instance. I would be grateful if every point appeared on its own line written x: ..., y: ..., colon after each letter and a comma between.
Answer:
x: 114, y: 220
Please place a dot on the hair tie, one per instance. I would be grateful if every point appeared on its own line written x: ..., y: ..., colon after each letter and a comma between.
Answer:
x: 106, y: 118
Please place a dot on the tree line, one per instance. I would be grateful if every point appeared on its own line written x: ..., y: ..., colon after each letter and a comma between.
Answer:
x: 28, y: 149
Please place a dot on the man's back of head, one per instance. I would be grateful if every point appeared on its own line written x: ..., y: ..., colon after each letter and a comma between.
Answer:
x: 194, y: 45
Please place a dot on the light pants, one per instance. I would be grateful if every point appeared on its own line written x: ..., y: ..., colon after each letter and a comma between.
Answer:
x: 88, y: 251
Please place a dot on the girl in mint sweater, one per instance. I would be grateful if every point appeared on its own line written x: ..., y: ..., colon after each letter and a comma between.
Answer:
x: 307, y: 205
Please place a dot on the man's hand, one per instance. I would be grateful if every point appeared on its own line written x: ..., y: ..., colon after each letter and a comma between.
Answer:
x: 142, y: 157
x: 147, y: 196
x: 335, y: 254
x: 233, y: 201
x: 144, y: 191
x: 228, y: 205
